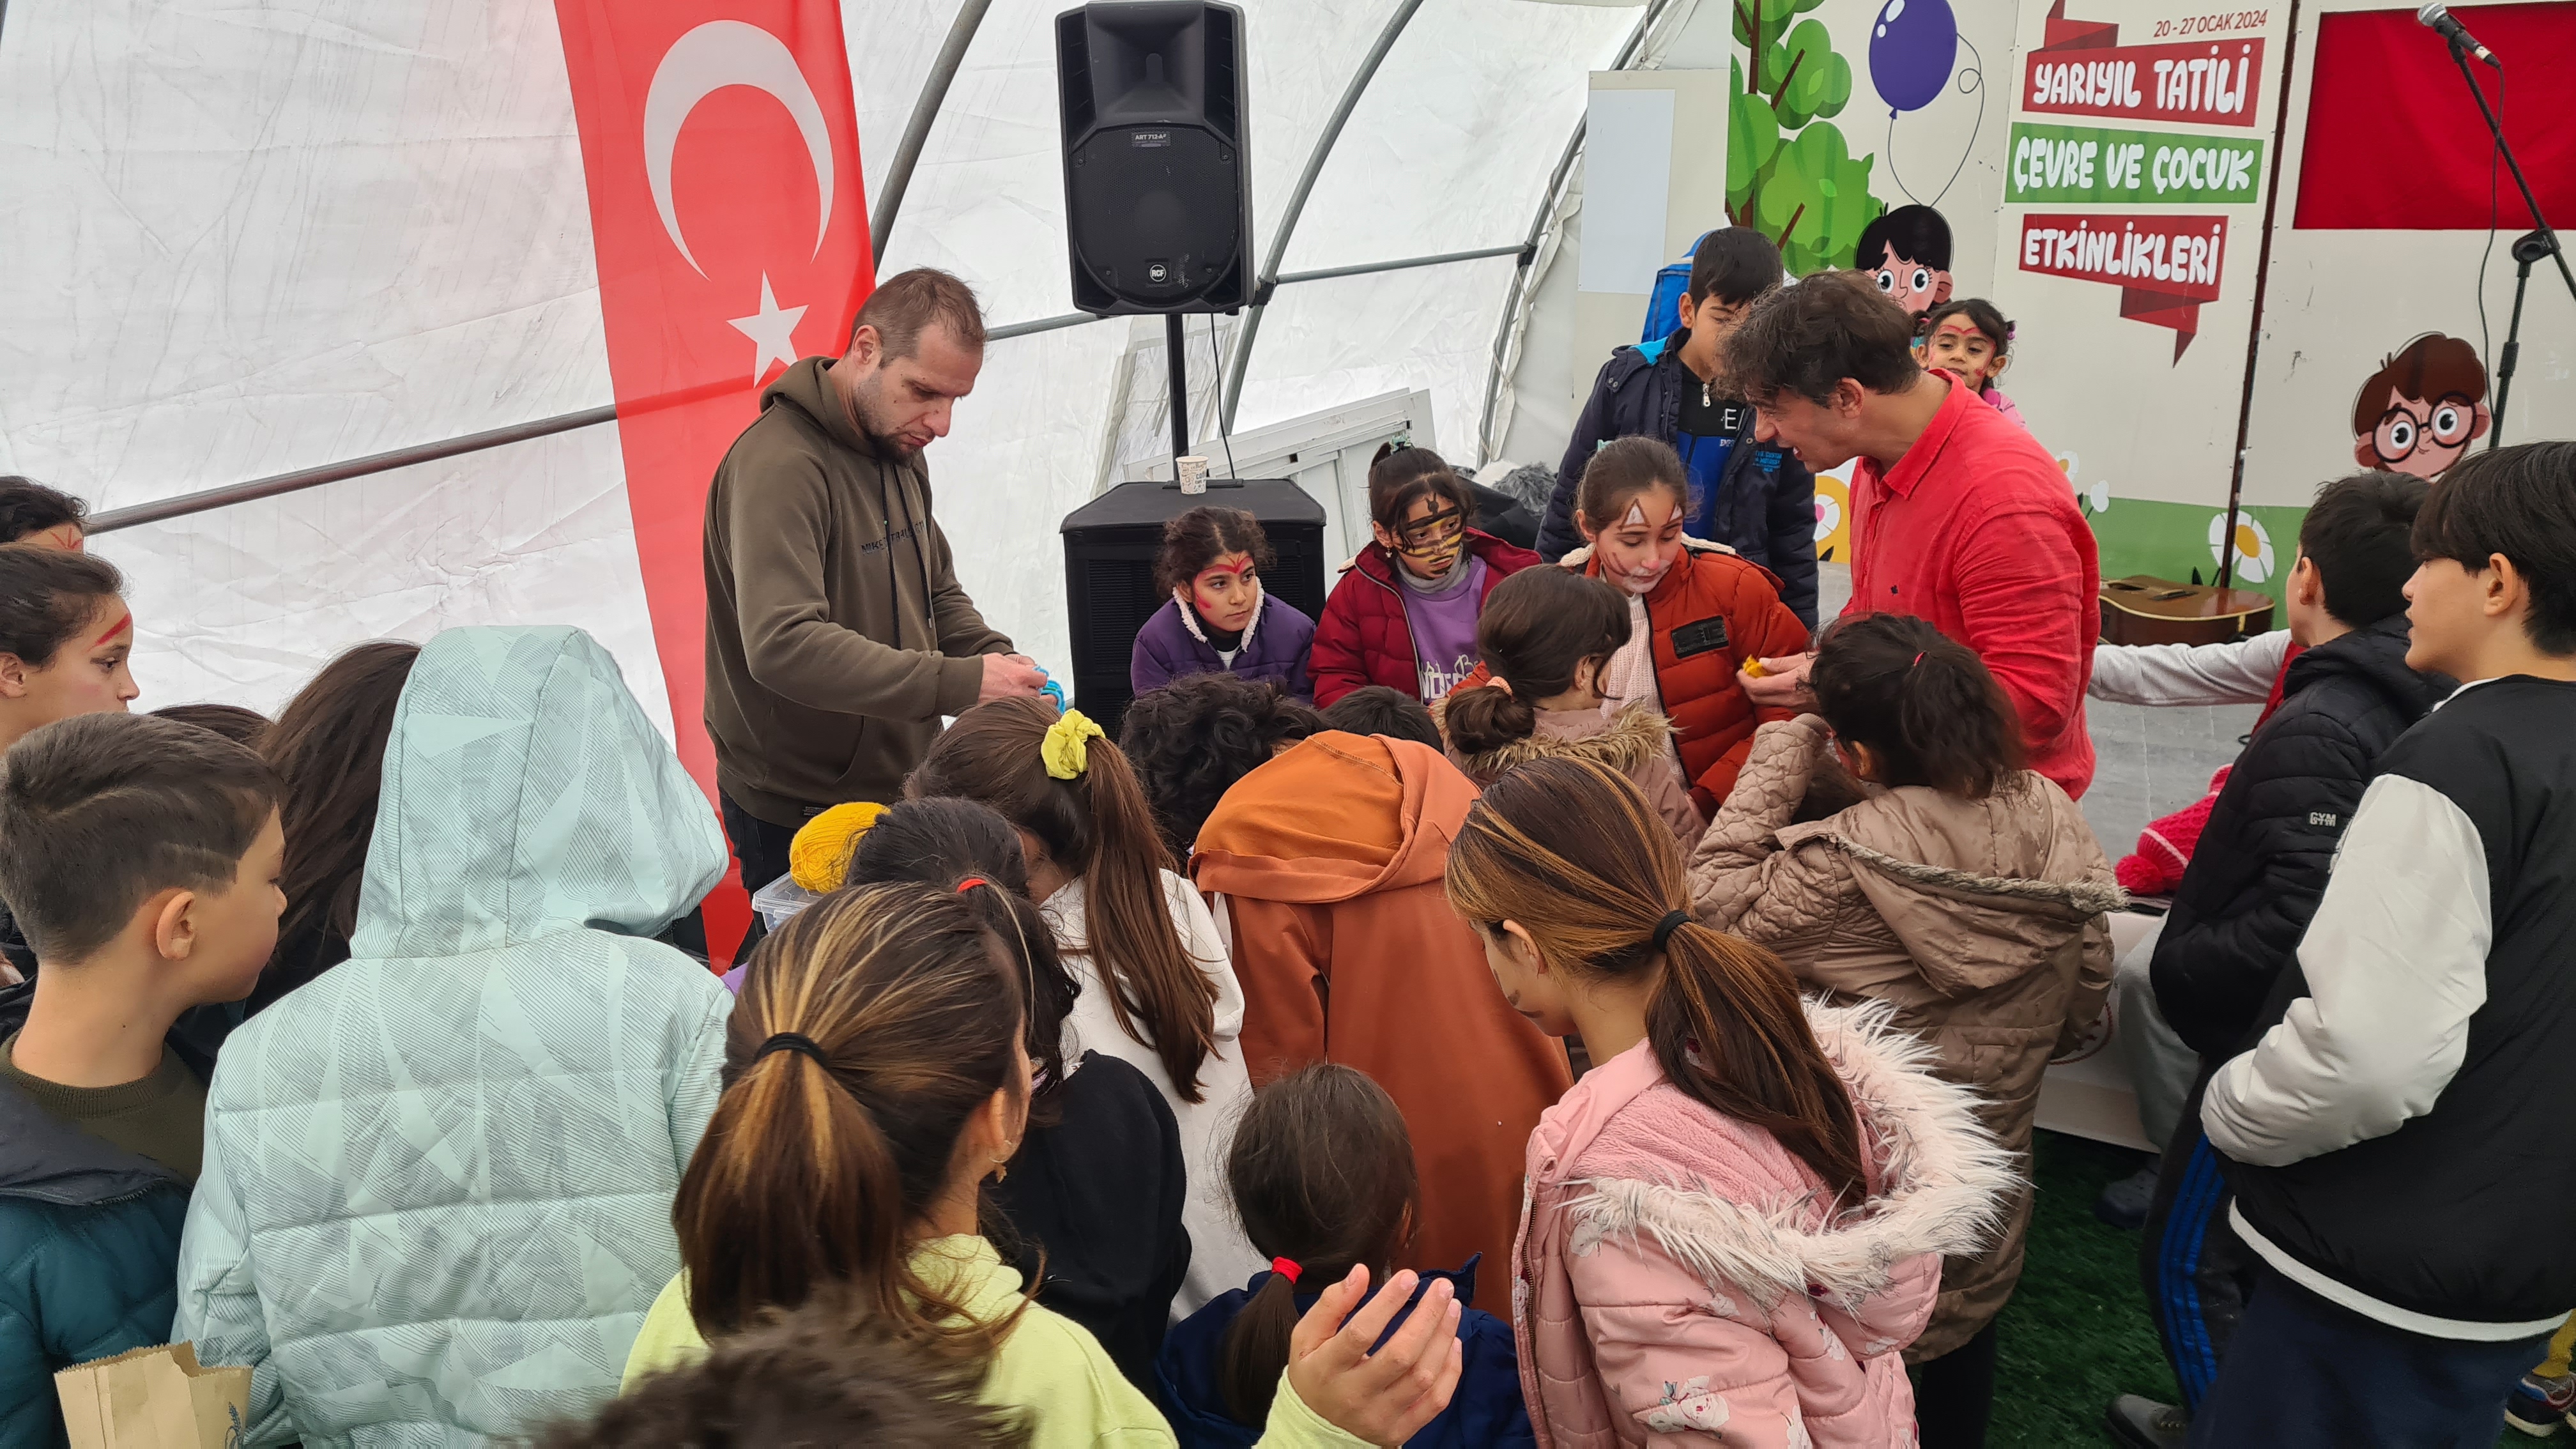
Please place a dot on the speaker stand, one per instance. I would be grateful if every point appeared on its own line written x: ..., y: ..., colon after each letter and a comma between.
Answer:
x: 1175, y: 345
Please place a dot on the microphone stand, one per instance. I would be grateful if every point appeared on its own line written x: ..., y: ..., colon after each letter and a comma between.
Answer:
x: 2527, y: 249
x: 2542, y: 242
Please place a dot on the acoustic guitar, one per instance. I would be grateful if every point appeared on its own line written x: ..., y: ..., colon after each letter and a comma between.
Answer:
x: 2144, y: 610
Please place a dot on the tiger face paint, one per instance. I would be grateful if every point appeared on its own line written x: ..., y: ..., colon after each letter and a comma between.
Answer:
x: 1431, y: 538
x: 1636, y: 552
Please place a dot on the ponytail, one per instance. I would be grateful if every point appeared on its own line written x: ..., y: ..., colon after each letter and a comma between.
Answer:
x: 1061, y: 780
x: 1570, y: 850
x: 1924, y: 704
x: 874, y: 1025
x: 1256, y: 1349
x: 1322, y: 1175
x: 1728, y: 1028
x: 1537, y: 629
x: 1158, y: 991
x: 1485, y: 718
x: 786, y: 1149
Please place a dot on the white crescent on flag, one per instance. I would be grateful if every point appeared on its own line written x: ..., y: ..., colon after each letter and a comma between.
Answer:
x: 717, y: 54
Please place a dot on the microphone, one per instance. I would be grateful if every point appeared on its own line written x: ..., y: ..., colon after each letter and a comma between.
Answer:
x: 2437, y: 17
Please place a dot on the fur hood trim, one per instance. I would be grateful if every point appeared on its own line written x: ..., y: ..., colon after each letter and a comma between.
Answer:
x: 2081, y: 898
x: 1190, y: 615
x: 1635, y: 735
x: 1942, y: 1186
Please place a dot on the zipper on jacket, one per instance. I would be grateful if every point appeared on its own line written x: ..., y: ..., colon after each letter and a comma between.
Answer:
x: 1411, y: 648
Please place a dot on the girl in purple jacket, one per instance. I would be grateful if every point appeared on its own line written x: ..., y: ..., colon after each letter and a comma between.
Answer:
x: 1219, y: 619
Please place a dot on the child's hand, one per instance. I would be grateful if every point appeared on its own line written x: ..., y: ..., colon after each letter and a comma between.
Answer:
x: 1776, y: 683
x: 1387, y: 1396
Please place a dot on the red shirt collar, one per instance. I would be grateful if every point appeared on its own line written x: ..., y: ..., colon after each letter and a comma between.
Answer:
x: 1911, y: 469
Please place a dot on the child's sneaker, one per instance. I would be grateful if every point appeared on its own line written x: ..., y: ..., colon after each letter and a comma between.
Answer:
x: 2539, y: 1406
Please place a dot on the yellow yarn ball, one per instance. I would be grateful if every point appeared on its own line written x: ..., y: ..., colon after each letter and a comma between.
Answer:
x: 820, y: 855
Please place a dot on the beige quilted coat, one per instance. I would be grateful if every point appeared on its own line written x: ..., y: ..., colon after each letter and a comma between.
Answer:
x: 1981, y: 921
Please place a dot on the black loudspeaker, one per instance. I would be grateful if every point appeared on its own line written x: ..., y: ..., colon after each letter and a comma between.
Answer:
x: 1109, y: 548
x: 1157, y: 196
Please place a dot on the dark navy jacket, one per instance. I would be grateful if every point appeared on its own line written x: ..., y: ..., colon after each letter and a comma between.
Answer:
x: 2263, y: 858
x: 1486, y: 1410
x: 1766, y: 501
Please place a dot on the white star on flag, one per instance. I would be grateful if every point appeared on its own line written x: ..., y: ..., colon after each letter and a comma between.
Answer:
x: 772, y: 330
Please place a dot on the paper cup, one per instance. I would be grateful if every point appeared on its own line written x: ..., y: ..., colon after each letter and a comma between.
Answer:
x: 1193, y: 471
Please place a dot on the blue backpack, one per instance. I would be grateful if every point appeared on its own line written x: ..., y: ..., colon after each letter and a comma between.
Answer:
x: 1664, y: 305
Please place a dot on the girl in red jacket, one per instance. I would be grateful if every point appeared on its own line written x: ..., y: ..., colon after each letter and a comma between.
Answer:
x: 1695, y: 610
x: 1404, y: 613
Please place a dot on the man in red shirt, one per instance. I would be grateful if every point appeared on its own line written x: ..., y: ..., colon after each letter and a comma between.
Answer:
x: 1958, y: 516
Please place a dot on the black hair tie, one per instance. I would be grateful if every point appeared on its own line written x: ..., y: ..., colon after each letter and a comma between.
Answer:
x: 788, y: 1041
x: 1672, y: 921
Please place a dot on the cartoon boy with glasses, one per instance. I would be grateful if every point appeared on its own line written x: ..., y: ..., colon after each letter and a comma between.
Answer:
x: 2420, y: 412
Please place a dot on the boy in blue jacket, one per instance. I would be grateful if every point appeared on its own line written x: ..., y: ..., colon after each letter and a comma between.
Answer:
x: 142, y: 856
x: 1756, y: 498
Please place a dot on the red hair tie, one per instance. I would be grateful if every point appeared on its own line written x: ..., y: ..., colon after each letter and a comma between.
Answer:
x: 970, y: 882
x: 1918, y: 658
x: 1286, y: 1268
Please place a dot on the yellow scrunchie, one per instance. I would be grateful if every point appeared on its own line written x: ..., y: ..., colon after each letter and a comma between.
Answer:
x: 819, y: 858
x: 1066, y: 746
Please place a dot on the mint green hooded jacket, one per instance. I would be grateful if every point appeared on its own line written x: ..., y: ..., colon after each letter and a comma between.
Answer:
x: 437, y: 1191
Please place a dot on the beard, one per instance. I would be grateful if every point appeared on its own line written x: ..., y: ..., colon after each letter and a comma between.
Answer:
x: 864, y: 402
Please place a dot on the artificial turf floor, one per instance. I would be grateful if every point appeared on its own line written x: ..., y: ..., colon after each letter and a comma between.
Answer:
x: 2076, y: 1334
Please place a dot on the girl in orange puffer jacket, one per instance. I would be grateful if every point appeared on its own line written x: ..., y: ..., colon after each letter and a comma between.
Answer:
x: 1697, y: 612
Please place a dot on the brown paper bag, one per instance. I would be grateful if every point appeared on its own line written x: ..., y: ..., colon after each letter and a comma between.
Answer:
x: 154, y: 1398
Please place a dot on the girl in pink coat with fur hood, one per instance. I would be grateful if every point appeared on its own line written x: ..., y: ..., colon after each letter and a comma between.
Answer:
x: 1735, y: 1221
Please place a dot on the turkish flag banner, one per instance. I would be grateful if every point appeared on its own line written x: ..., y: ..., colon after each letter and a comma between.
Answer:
x: 721, y: 147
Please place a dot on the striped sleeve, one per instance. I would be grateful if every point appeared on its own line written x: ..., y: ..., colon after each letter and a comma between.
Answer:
x: 2395, y: 963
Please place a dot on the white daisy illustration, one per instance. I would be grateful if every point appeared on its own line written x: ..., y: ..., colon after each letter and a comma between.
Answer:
x: 2097, y: 496
x: 2254, y: 560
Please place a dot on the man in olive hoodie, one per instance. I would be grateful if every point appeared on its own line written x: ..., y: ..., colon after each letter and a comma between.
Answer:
x: 837, y: 634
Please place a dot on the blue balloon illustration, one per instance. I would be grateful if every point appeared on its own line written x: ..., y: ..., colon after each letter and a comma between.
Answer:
x: 1912, y: 46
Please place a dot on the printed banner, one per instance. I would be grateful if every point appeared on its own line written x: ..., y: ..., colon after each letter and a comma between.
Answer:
x: 2181, y: 254
x: 720, y: 145
x: 2212, y: 84
x: 2165, y: 266
x: 2091, y: 164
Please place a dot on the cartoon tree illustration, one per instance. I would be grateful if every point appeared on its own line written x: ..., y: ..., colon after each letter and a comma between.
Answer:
x: 1789, y: 173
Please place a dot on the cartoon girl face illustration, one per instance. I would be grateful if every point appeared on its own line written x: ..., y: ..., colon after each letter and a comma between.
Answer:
x: 1910, y: 284
x: 1907, y: 253
x: 2422, y: 409
x: 2424, y: 438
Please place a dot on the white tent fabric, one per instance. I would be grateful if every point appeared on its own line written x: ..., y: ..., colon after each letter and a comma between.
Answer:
x: 254, y: 236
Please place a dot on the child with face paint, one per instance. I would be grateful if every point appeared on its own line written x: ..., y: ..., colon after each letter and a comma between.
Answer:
x: 1219, y: 619
x: 1970, y: 338
x: 64, y: 636
x: 1548, y: 637
x: 1695, y: 611
x: 1404, y: 614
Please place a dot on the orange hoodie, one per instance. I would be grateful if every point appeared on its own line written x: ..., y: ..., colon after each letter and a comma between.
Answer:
x: 1330, y: 859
